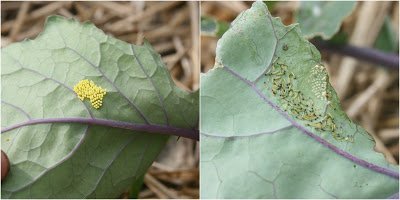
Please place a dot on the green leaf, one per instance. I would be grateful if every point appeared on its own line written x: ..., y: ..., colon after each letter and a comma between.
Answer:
x: 387, y: 40
x: 213, y: 27
x: 322, y: 18
x: 252, y: 148
x: 271, y: 4
x: 62, y: 147
x: 136, y: 187
x: 340, y: 38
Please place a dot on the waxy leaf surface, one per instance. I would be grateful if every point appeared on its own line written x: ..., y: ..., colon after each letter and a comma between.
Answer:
x: 272, y: 125
x: 84, y: 159
x: 322, y: 18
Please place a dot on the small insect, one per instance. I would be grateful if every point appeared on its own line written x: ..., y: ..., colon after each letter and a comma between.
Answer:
x: 291, y: 93
x: 284, y: 67
x: 326, y: 107
x: 278, y: 73
x: 325, y: 94
x: 333, y: 127
x: 276, y: 78
x: 289, y: 85
x: 300, y: 106
x: 310, y: 117
x: 317, y: 125
x: 283, y: 82
x: 291, y: 75
x: 350, y: 139
x: 285, y: 47
x: 274, y: 67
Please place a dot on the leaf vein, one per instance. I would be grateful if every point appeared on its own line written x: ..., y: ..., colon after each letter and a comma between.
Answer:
x: 17, y: 108
x: 320, y: 140
x: 152, y: 83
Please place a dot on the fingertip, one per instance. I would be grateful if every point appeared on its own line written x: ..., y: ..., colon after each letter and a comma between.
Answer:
x: 5, y: 165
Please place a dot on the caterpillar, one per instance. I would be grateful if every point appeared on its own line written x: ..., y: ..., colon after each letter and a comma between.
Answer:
x: 298, y: 104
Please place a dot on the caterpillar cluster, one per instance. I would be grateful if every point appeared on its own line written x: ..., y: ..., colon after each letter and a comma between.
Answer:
x: 88, y: 89
x: 298, y: 105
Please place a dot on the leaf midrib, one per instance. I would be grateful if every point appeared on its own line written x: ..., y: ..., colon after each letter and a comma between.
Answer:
x: 189, y: 133
x: 320, y: 140
x: 149, y: 128
x: 302, y: 129
x: 152, y: 83
x: 81, y: 140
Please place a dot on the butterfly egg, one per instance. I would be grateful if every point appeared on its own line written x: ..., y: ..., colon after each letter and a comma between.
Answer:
x: 88, y: 89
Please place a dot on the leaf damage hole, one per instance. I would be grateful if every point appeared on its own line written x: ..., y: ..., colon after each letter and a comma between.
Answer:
x: 88, y: 89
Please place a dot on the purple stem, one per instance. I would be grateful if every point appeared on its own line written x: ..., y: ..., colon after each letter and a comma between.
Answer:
x: 389, y: 60
x: 361, y: 162
x: 165, y: 130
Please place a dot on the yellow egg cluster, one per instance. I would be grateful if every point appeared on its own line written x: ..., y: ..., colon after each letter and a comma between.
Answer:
x: 87, y: 89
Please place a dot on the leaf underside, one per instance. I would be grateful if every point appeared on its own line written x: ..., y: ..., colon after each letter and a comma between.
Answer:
x: 256, y: 143
x: 73, y: 160
x: 322, y: 18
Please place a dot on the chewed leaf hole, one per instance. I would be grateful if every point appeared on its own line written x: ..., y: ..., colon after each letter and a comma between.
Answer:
x: 88, y: 89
